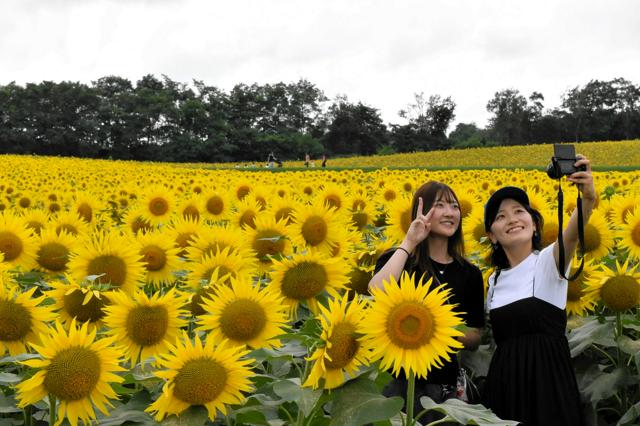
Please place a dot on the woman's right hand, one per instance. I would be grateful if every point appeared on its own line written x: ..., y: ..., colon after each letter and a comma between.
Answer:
x: 419, y: 229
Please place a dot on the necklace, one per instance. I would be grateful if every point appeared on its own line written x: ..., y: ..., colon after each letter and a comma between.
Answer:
x: 437, y: 266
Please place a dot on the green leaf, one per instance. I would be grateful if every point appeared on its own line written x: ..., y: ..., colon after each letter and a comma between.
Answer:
x: 8, y: 404
x: 359, y: 402
x: 18, y: 358
x: 628, y: 345
x: 9, y: 379
x: 631, y: 414
x: 252, y: 417
x: 466, y: 414
x: 592, y: 332
x: 477, y: 361
x: 290, y: 390
x: 603, y: 385
x: 192, y: 416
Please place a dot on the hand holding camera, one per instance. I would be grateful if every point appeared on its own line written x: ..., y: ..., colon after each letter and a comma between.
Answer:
x: 577, y: 169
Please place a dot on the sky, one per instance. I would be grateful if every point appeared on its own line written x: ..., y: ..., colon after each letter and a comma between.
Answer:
x: 377, y: 52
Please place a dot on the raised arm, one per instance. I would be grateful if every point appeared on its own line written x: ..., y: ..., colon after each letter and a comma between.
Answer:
x: 584, y: 182
x: 418, y: 231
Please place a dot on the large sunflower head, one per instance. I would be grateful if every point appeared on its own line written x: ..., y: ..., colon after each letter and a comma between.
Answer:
x: 317, y: 226
x: 305, y: 276
x: 22, y: 320
x: 191, y: 207
x: 399, y: 218
x: 79, y: 301
x: 212, y: 240
x: 217, y: 205
x: 579, y: 299
x: 77, y: 369
x: 622, y: 206
x: 183, y: 232
x: 145, y: 326
x: 200, y: 373
x: 157, y: 205
x: 618, y: 288
x: 245, y: 315
x: 284, y: 209
x: 86, y: 207
x: 159, y: 256
x: 598, y: 236
x: 410, y: 327
x: 54, y: 249
x: 225, y: 264
x: 629, y: 234
x: 36, y: 220
x: 16, y: 243
x: 71, y: 223
x: 343, y: 352
x: 135, y: 221
x: 333, y: 196
x: 245, y: 214
x: 112, y: 260
x: 268, y: 239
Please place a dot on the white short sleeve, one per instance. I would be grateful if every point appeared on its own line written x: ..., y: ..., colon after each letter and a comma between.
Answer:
x: 549, y: 285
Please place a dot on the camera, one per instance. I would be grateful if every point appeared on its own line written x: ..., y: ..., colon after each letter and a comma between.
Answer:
x: 564, y: 156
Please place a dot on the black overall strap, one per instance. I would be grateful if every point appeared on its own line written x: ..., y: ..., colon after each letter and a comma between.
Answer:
x: 561, y: 259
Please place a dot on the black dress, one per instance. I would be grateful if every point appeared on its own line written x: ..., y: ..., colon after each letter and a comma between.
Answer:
x: 531, y: 377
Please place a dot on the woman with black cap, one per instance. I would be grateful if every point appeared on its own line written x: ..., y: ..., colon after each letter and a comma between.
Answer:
x: 531, y: 379
x: 434, y: 246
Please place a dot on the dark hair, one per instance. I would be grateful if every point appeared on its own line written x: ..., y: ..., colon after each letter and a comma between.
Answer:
x: 430, y: 192
x: 499, y: 257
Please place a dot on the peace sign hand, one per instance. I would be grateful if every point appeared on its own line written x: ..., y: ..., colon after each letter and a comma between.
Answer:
x: 420, y: 228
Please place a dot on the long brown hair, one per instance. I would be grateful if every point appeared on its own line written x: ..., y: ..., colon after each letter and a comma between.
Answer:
x: 431, y: 192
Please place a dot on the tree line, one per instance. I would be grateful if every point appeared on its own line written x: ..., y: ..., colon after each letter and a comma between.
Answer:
x: 160, y: 119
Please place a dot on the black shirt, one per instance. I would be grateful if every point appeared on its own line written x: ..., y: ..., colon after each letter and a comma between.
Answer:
x: 467, y: 292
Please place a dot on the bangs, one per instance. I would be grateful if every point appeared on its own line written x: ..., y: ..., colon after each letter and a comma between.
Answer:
x: 446, y: 195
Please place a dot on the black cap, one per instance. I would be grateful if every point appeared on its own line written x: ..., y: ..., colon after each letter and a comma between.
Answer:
x: 492, y: 206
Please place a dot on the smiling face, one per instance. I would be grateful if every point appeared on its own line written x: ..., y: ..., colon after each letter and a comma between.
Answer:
x: 513, y: 225
x: 446, y: 215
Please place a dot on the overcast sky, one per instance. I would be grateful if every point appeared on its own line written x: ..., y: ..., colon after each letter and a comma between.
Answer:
x: 375, y: 51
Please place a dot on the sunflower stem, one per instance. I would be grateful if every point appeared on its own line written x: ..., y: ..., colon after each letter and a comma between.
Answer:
x: 619, y: 331
x: 411, y: 390
x: 27, y: 416
x: 52, y: 409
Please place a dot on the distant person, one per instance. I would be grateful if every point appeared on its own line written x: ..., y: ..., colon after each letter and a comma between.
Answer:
x: 307, y: 158
x: 271, y: 159
x: 324, y: 160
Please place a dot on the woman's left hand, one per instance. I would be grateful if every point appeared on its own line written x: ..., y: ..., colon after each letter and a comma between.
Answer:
x: 584, y: 180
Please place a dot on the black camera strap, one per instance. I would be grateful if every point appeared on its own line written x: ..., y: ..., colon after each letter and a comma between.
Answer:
x: 561, y: 259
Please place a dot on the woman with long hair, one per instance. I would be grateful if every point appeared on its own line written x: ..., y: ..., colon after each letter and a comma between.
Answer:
x: 434, y: 247
x: 531, y: 378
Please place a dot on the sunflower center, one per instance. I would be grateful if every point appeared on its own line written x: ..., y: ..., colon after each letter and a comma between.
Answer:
x: 158, y: 206
x: 248, y: 218
x: 390, y: 195
x: 359, y: 280
x: 242, y: 191
x: 314, y: 230
x: 242, y: 320
x: 410, y: 325
x: 183, y: 241
x: 479, y: 232
x: 574, y: 290
x: 591, y: 237
x: 304, y: 281
x: 465, y: 208
x: 85, y: 211
x: 73, y: 373
x: 407, y: 186
x: 285, y: 213
x: 191, y: 211
x: 54, y: 207
x: 360, y: 220
x: 333, y: 201
x: 15, y: 321
x: 140, y: 224
x: 35, y: 226
x: 24, y: 202
x: 620, y: 293
x: 358, y: 205
x: 405, y: 220
x: 68, y: 228
x: 113, y: 268
x: 200, y: 381
x: 268, y: 242
x: 154, y: 257
x: 344, y: 345
x: 53, y: 256
x: 635, y: 234
x: 197, y: 302
x: 91, y: 311
x: 10, y: 245
x: 147, y: 325
x: 215, y: 205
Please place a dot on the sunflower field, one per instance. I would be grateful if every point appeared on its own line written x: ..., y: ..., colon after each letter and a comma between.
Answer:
x: 144, y: 293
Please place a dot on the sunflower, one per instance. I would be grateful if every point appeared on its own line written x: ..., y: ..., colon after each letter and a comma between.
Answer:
x: 157, y: 205
x: 579, y: 300
x: 242, y: 189
x: 114, y: 259
x: 468, y: 201
x: 246, y: 212
x: 82, y: 302
x: 317, y: 226
x: 86, y: 207
x: 144, y: 325
x: 134, y: 221
x: 183, y: 232
x: 598, y: 237
x: 410, y: 327
x: 201, y: 374
x: 53, y: 250
x: 629, y: 234
x: 245, y: 315
x: 71, y: 223
x: 342, y: 353
x: 475, y: 236
x: 16, y: 243
x: 36, y: 220
x: 192, y: 207
x: 399, y: 219
x: 21, y: 319
x: 332, y: 196
x: 284, y: 209
x: 619, y: 288
x: 362, y: 215
x: 212, y: 240
x: 305, y: 276
x: 159, y: 256
x: 267, y: 239
x: 622, y: 206
x: 76, y: 369
x: 216, y: 205
x: 228, y: 264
